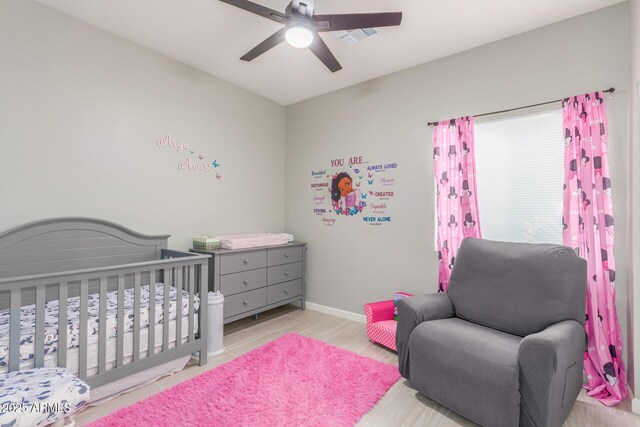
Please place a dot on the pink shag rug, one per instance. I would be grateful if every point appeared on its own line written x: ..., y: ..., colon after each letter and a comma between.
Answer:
x: 291, y: 381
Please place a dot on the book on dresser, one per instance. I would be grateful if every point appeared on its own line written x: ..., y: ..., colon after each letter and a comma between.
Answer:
x: 254, y: 280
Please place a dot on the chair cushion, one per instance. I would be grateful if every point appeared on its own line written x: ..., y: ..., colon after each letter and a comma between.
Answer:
x: 518, y: 288
x: 471, y: 369
x: 383, y: 332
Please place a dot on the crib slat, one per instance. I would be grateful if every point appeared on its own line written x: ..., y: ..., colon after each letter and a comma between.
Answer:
x: 136, y: 317
x: 202, y: 288
x: 102, y: 327
x: 191, y: 297
x: 83, y: 328
x: 14, y: 330
x: 152, y: 313
x: 165, y: 314
x: 62, y: 324
x: 120, y: 323
x: 38, y: 357
x: 179, y: 281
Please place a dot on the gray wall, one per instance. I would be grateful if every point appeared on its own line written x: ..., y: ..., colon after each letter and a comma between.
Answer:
x: 634, y: 193
x: 386, y: 118
x: 81, y: 110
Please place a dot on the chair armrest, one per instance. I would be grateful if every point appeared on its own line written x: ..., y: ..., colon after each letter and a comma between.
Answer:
x: 378, y: 311
x: 413, y: 311
x: 551, y: 364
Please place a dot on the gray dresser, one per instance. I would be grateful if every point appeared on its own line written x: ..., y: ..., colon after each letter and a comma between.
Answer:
x: 257, y: 279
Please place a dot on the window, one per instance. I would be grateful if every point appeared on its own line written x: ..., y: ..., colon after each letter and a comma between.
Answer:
x: 520, y: 174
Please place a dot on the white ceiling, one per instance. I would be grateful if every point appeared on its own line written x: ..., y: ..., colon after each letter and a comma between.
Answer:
x: 212, y: 36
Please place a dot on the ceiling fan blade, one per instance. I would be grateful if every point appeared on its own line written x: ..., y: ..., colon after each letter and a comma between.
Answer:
x: 270, y: 42
x: 263, y: 11
x: 321, y: 50
x: 324, y: 23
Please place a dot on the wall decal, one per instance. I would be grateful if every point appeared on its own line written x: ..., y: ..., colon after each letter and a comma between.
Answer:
x: 187, y: 164
x: 168, y: 141
x: 356, y: 189
x: 201, y: 164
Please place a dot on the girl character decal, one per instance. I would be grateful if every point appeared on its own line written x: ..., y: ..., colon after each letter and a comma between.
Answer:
x: 346, y: 200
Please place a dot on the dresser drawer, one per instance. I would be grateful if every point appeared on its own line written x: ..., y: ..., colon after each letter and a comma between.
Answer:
x: 284, y: 273
x: 246, y: 301
x: 244, y: 281
x: 233, y: 263
x: 285, y: 255
x: 284, y: 291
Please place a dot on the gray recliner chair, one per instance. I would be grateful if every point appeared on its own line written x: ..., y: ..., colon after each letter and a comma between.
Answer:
x: 504, y: 346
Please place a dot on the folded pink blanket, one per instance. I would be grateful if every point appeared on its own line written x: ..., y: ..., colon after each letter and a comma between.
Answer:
x: 243, y: 241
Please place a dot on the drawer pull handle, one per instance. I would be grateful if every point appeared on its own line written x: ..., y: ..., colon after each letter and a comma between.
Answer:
x: 286, y: 273
x: 246, y: 302
x: 246, y: 282
x: 286, y: 256
x: 246, y: 261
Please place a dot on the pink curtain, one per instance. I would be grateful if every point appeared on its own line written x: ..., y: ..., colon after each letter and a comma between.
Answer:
x: 457, y: 205
x: 588, y: 228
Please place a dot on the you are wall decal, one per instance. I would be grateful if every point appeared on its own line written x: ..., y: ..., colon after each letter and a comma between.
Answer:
x: 357, y: 188
x: 201, y: 164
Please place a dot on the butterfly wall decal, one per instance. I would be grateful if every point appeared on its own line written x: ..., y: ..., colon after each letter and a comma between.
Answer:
x: 200, y: 157
x: 370, y: 181
x: 359, y: 177
x: 218, y: 176
x: 370, y: 175
x: 357, y: 171
x: 364, y: 196
x: 215, y: 164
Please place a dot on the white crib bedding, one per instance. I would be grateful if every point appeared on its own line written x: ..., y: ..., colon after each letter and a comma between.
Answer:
x: 73, y: 355
x: 138, y: 379
x: 27, y: 316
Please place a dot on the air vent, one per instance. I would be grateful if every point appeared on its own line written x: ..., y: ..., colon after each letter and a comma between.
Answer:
x: 351, y: 37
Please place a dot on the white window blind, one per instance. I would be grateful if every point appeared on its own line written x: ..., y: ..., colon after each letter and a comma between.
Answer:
x: 520, y: 174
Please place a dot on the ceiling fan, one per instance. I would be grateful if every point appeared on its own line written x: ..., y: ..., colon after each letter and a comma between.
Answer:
x: 302, y: 27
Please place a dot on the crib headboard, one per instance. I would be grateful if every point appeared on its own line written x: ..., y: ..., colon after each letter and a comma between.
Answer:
x: 61, y: 244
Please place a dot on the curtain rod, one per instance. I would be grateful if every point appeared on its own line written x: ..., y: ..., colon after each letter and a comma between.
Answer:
x: 610, y: 90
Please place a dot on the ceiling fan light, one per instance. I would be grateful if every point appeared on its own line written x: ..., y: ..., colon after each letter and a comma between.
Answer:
x: 299, y: 36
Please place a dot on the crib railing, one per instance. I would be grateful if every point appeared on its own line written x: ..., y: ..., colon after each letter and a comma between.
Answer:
x: 184, y: 272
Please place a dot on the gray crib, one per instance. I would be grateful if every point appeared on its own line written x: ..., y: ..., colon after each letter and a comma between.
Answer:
x: 61, y: 265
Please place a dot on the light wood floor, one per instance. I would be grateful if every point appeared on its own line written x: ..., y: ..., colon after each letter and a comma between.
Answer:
x: 401, y: 406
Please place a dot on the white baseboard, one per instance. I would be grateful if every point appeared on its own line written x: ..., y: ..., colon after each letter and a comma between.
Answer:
x: 635, y: 405
x: 336, y: 312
